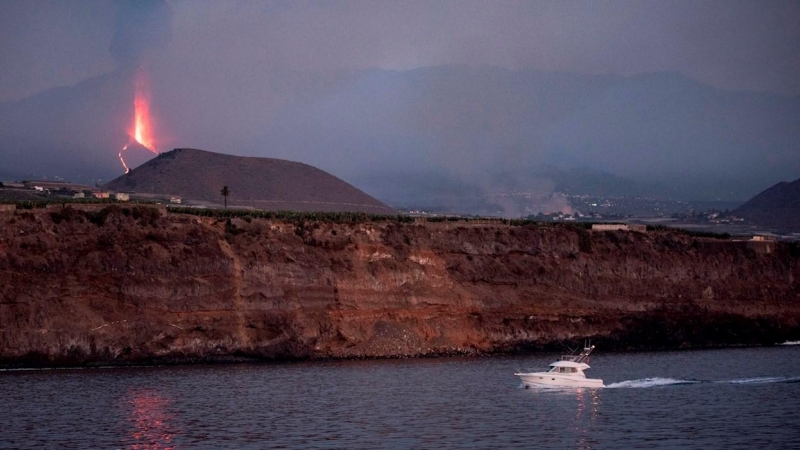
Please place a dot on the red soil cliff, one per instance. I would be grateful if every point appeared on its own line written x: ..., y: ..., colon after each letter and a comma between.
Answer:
x: 128, y: 285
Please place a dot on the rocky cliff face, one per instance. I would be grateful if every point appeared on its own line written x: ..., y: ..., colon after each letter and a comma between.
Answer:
x: 127, y: 285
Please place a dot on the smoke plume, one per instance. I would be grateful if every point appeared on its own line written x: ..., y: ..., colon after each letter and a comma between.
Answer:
x: 140, y: 25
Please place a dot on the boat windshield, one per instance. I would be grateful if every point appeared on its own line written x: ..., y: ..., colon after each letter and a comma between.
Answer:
x: 555, y: 369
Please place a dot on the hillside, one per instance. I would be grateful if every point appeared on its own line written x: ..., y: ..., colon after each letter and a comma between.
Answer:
x: 777, y: 207
x: 131, y: 285
x: 263, y: 183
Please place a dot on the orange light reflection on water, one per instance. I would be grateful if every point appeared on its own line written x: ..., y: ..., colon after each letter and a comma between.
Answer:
x: 151, y: 422
x: 586, y: 414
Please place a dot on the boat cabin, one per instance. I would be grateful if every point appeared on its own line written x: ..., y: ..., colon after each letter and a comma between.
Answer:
x: 556, y: 369
x: 568, y: 368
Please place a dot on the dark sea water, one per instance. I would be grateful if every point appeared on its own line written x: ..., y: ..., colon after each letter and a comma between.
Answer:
x: 717, y: 399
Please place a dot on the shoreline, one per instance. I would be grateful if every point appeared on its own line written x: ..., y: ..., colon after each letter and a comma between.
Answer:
x: 234, y: 361
x: 132, y: 285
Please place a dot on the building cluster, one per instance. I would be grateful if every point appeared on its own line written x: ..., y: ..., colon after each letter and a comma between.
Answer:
x: 576, y: 216
x: 716, y: 217
x: 619, y: 227
x: 64, y: 189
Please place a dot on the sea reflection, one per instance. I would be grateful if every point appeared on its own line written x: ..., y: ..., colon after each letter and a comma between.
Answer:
x: 576, y: 410
x: 447, y: 403
x: 150, y: 421
x: 587, y: 412
x: 588, y: 404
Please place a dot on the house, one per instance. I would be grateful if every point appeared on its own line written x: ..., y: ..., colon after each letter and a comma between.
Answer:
x: 762, y: 245
x: 609, y: 227
x: 619, y: 227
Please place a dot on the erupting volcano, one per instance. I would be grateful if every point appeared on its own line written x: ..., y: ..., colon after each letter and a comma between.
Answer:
x: 142, y: 131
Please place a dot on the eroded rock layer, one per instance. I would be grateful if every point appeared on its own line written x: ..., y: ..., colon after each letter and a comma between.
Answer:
x: 130, y: 285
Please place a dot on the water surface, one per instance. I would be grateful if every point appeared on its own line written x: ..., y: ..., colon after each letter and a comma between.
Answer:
x: 736, y: 398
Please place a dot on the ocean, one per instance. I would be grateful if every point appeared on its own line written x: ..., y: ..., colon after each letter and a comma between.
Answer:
x: 694, y: 399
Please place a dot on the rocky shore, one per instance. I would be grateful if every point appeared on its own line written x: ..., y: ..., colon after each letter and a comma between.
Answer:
x: 132, y: 285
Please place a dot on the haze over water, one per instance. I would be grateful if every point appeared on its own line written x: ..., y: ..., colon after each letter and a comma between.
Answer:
x: 737, y: 398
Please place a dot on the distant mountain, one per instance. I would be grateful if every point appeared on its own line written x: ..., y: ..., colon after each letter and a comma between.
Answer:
x: 778, y: 207
x: 73, y: 132
x: 491, y: 128
x: 263, y: 183
x: 448, y: 133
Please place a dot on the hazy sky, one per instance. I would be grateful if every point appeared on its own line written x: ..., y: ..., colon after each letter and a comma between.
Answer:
x: 485, y: 92
x: 729, y: 44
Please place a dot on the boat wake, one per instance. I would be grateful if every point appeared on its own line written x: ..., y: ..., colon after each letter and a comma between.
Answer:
x: 762, y: 380
x: 649, y: 382
x: 654, y: 382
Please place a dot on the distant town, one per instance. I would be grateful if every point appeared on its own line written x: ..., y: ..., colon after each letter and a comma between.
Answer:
x: 713, y: 217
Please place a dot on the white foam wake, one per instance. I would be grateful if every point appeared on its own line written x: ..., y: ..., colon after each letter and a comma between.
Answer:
x: 761, y: 380
x: 649, y: 382
x: 653, y: 382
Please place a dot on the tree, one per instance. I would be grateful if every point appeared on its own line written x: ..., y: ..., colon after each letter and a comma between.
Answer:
x: 225, y: 193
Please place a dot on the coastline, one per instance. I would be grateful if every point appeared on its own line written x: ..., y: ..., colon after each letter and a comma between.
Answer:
x: 126, y: 285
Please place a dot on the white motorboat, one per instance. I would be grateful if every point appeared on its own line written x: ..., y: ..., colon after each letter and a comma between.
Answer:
x: 568, y: 372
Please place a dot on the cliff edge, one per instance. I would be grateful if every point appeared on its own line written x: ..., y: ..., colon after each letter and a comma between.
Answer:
x: 129, y: 285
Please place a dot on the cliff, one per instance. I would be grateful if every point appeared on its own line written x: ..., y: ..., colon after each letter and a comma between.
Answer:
x: 131, y: 285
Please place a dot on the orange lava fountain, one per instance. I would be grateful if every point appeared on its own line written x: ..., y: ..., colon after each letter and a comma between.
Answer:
x: 142, y: 131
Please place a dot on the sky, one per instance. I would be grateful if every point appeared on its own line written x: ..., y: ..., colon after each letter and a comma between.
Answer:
x: 229, y: 76
x: 743, y: 45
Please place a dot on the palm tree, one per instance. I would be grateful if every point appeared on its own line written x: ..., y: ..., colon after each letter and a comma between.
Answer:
x: 225, y: 193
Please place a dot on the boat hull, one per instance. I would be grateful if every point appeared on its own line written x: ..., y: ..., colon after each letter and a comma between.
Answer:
x: 544, y: 379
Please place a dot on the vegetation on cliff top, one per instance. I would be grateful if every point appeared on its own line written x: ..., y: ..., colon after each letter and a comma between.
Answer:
x: 339, y: 217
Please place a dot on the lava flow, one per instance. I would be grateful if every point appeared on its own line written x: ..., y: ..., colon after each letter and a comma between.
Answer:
x: 142, y: 131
